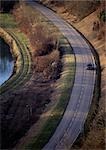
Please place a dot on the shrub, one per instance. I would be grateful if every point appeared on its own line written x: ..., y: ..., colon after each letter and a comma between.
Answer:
x: 44, y: 62
x: 41, y: 41
x: 102, y: 15
x: 6, y: 5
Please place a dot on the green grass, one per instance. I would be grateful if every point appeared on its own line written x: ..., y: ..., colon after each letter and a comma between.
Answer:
x: 24, y: 69
x: 22, y: 37
x: 7, y: 21
x: 25, y: 61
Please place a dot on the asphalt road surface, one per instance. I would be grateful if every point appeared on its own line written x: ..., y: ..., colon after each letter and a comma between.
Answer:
x: 78, y: 107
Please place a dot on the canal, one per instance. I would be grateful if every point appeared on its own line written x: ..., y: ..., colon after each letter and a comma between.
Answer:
x: 6, y: 62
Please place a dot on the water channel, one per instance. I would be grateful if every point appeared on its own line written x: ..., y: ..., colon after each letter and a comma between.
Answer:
x: 6, y: 61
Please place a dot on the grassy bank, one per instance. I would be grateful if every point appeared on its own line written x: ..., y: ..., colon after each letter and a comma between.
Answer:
x: 7, y: 21
x: 23, y: 57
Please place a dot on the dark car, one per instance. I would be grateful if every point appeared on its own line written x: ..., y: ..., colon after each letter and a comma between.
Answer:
x: 91, y: 67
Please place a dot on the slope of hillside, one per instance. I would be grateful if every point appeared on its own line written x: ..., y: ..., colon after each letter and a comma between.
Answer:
x: 95, y: 138
x: 80, y: 8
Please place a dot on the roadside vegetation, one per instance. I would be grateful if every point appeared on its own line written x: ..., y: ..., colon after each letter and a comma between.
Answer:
x: 36, y: 79
x: 42, y: 41
x: 19, y: 51
x: 21, y: 69
x: 7, y: 6
x: 46, y: 62
x: 7, y: 21
x: 80, y: 9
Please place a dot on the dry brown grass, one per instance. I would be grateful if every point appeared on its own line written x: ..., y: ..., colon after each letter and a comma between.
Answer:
x: 41, y: 40
x: 101, y: 33
x: 79, y: 8
x: 48, y: 64
x: 96, y: 135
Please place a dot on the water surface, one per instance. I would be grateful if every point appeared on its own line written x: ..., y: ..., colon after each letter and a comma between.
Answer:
x: 6, y: 62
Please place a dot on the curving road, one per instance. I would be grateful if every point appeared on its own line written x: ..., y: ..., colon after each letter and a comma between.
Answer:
x: 80, y: 100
